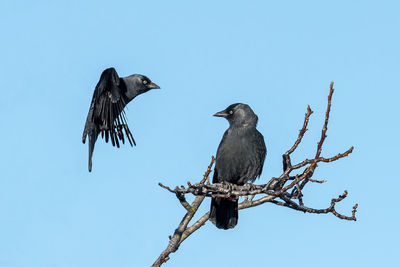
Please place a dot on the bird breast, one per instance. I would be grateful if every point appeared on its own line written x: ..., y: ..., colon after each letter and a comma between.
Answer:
x: 234, y: 158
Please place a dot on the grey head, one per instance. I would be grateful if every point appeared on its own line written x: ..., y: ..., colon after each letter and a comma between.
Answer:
x: 137, y: 84
x: 239, y: 115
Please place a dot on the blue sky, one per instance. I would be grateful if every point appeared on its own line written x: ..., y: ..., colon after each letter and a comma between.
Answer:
x: 275, y: 56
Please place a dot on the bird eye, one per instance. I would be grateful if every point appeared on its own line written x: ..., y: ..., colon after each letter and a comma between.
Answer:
x: 231, y: 112
x: 144, y: 82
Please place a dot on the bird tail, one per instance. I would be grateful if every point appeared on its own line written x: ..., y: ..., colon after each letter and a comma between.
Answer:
x: 92, y: 133
x: 224, y: 213
x: 92, y: 140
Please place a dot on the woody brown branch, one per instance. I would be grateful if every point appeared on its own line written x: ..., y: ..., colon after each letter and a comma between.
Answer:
x: 248, y: 189
x: 286, y: 158
x: 227, y: 190
x: 248, y: 204
x: 181, y: 230
x: 323, y: 132
x: 274, y: 190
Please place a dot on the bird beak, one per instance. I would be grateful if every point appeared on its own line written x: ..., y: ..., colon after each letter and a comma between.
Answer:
x: 222, y: 113
x: 153, y: 86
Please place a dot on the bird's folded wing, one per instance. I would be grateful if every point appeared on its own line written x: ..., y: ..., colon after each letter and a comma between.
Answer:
x: 260, y: 151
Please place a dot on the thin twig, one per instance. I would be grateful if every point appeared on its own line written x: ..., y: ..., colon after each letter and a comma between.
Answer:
x: 286, y: 159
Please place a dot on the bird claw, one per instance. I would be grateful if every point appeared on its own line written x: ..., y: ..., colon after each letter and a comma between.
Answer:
x: 249, y: 186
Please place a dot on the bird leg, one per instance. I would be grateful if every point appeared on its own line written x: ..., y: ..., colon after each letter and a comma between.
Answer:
x: 233, y: 198
x: 250, y: 186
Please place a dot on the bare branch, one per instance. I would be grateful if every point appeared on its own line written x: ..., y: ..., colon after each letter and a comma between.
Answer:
x: 323, y: 132
x: 276, y: 191
x: 286, y: 159
x: 325, y: 127
x: 182, y: 230
x: 301, y: 132
x: 226, y: 190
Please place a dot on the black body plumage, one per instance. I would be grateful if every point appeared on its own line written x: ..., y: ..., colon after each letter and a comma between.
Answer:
x: 106, y: 114
x: 240, y: 159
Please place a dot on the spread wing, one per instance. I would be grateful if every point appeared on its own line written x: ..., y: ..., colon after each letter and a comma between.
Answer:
x: 107, y: 108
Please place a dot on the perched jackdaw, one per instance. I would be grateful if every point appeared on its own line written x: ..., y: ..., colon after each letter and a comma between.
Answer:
x: 106, y: 114
x: 240, y: 158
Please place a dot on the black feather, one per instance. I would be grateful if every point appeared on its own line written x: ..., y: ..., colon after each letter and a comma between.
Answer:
x: 240, y: 159
x: 106, y: 114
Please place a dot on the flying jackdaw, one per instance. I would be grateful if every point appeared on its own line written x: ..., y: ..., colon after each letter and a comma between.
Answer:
x: 106, y: 114
x: 240, y: 158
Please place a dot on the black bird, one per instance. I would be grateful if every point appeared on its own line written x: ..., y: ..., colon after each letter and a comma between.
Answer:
x: 106, y: 114
x: 240, y: 158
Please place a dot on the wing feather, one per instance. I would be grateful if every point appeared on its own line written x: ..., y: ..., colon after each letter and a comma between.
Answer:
x: 108, y: 105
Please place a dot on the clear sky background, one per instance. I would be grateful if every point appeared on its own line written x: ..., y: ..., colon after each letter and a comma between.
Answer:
x: 277, y: 57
